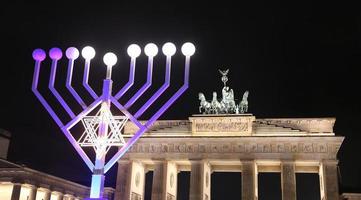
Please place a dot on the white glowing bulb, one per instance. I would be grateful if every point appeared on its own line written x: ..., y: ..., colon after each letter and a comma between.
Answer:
x: 188, y: 49
x: 72, y: 53
x: 88, y: 52
x: 169, y: 49
x: 151, y: 50
x: 134, y: 50
x: 110, y: 59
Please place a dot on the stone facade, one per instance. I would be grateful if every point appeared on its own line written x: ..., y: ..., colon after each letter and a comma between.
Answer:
x: 234, y: 143
x: 19, y: 182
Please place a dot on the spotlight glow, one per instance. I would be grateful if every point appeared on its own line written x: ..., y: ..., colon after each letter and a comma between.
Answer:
x: 55, y: 53
x: 151, y: 50
x: 88, y: 52
x: 72, y: 53
x: 188, y: 49
x: 110, y: 59
x: 134, y: 50
x: 169, y: 49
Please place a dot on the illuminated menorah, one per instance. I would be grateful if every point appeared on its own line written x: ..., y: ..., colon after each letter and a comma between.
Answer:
x: 103, y: 130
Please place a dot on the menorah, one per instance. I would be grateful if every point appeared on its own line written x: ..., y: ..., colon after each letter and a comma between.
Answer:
x: 103, y: 130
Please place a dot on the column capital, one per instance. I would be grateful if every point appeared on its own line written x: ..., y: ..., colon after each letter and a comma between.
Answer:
x: 287, y: 161
x: 17, y: 183
x: 248, y: 161
x: 121, y: 161
x: 44, y: 189
x: 329, y: 162
x: 159, y: 160
x: 196, y: 160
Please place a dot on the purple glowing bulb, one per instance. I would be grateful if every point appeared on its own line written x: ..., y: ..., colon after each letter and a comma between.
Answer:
x: 55, y: 53
x: 39, y: 55
x: 72, y: 53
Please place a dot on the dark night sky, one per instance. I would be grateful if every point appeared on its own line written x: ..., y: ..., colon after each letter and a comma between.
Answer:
x: 297, y: 60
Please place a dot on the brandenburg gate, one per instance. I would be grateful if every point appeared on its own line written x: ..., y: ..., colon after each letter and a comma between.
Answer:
x: 227, y: 139
x: 230, y: 143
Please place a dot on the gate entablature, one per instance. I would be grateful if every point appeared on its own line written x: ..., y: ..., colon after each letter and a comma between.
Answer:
x: 237, y: 125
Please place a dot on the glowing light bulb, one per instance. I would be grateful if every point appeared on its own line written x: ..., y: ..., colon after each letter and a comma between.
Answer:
x: 134, y: 50
x: 110, y: 59
x: 39, y: 55
x: 55, y: 53
x: 88, y: 52
x: 151, y: 50
x: 188, y: 49
x: 169, y: 49
x: 72, y: 53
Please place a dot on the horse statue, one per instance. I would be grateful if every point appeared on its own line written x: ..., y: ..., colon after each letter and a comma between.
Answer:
x: 228, y: 103
x: 215, y: 105
x: 243, y: 105
x: 204, y: 104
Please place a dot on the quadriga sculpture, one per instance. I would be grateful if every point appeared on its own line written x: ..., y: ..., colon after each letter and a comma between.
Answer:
x: 227, y: 105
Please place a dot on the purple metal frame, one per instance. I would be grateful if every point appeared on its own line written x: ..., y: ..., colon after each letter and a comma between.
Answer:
x: 70, y: 88
x: 130, y: 81
x: 144, y: 87
x: 106, y: 97
x: 85, y: 80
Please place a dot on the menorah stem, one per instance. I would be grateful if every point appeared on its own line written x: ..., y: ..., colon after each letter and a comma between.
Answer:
x: 40, y: 97
x: 145, y: 86
x: 130, y: 82
x: 159, y: 91
x: 69, y: 86
x: 85, y: 79
x: 97, y: 185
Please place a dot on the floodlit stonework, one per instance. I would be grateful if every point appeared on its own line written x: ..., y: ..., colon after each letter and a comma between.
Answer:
x: 18, y: 182
x: 230, y: 143
x: 22, y: 183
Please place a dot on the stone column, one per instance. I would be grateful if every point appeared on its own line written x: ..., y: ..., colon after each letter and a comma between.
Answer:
x: 200, y: 180
x: 288, y: 180
x: 249, y: 180
x: 122, y: 189
x: 158, y: 185
x: 171, y: 175
x: 33, y: 191
x: 47, y: 194
x: 68, y: 197
x: 329, y: 180
x: 164, y: 181
x: 60, y: 196
x: 15, y: 195
x: 130, y: 180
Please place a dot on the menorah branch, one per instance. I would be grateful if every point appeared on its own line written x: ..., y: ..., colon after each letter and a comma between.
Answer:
x: 159, y: 92
x: 40, y: 55
x: 144, y: 87
x: 85, y: 80
x: 55, y: 92
x: 174, y: 97
x: 70, y: 87
x: 130, y: 82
